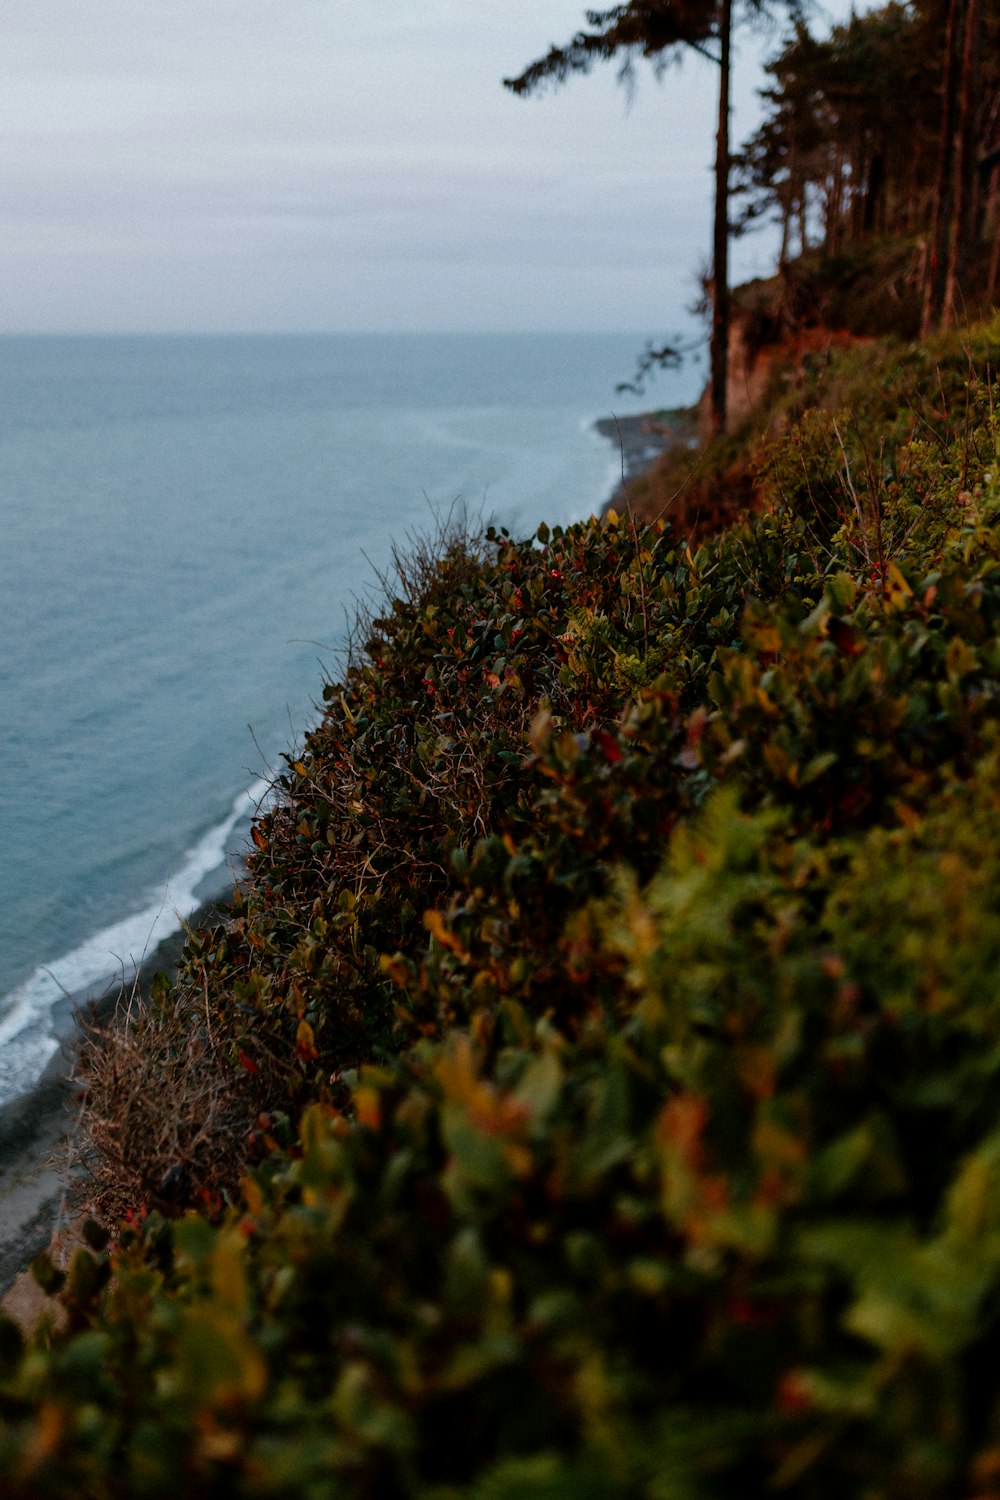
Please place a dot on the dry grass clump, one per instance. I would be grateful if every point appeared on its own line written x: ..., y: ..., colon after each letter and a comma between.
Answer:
x: 166, y: 1118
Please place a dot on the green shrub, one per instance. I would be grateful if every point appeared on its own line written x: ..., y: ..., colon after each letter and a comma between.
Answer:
x: 618, y: 979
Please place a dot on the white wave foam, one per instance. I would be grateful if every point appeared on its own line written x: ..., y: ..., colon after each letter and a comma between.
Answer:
x: 611, y: 475
x: 27, y: 1035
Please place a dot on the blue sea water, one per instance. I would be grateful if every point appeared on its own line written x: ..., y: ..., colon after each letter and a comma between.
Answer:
x: 185, y: 523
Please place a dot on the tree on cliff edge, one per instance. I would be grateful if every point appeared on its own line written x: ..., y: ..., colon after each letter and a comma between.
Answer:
x: 653, y: 29
x: 954, y: 224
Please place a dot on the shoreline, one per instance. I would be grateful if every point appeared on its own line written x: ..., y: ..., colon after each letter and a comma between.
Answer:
x: 34, y: 1196
x: 640, y: 440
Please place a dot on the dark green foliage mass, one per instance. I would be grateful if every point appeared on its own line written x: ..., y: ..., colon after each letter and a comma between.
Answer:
x: 882, y: 138
x: 620, y: 968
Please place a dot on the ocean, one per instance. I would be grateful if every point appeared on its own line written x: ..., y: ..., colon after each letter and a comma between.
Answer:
x: 185, y: 525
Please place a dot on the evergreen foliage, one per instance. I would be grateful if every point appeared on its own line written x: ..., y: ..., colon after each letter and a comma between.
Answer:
x: 887, y: 128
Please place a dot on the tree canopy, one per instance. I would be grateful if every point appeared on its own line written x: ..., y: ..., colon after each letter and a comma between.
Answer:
x: 888, y: 127
x: 649, y: 28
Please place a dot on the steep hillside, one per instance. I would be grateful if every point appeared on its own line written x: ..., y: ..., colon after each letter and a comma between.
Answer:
x: 798, y: 344
x: 608, y: 1030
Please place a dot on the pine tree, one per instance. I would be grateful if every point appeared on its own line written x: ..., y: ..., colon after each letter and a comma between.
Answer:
x: 654, y: 29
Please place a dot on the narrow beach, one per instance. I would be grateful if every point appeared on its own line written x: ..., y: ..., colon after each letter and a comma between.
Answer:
x: 640, y: 440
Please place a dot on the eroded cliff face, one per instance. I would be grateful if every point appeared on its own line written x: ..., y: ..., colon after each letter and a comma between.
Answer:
x: 752, y: 365
x: 703, y: 486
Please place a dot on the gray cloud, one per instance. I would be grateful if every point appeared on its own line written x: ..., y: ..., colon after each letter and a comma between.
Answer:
x: 172, y: 164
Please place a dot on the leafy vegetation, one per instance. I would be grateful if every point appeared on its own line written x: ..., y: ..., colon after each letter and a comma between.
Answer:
x: 612, y: 1009
x: 880, y: 403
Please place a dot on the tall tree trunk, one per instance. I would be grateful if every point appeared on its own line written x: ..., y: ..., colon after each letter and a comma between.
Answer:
x: 993, y: 228
x: 719, y: 349
x: 859, y: 181
x: 873, y: 215
x: 937, y: 249
x: 835, y: 205
x: 786, y: 225
x: 963, y: 214
x: 991, y: 284
x: 990, y: 165
x: 787, y: 205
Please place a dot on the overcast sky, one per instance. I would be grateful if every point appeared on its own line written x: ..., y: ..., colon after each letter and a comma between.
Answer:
x: 259, y: 165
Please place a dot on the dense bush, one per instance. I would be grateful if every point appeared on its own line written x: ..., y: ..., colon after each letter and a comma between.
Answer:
x: 839, y: 424
x: 617, y: 983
